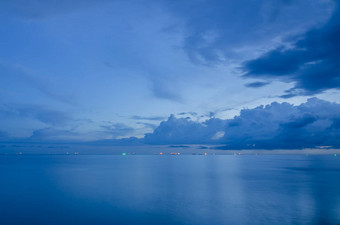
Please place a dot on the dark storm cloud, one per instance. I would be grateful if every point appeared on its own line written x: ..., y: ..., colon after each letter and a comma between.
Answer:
x: 312, y: 63
x: 285, y: 126
x: 274, y: 126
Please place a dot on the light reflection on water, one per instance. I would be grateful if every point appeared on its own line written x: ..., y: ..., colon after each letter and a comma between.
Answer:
x: 82, y: 189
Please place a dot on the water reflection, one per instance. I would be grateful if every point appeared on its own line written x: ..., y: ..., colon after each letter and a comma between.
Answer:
x: 169, y: 190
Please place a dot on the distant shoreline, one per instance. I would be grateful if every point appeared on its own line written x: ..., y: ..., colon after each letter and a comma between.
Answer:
x: 78, y: 149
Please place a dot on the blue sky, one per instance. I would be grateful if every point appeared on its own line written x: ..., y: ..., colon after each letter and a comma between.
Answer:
x: 91, y: 70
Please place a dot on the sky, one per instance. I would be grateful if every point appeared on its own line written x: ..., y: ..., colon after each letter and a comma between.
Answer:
x: 207, y: 71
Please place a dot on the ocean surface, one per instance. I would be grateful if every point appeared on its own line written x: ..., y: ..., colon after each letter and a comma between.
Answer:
x: 169, y: 189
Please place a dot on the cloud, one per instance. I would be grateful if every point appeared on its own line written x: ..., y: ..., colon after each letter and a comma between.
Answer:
x: 312, y: 62
x: 218, y: 30
x: 163, y: 90
x: 109, y: 131
x: 52, y: 134
x: 152, y: 118
x: 274, y: 126
x: 148, y: 125
x: 25, y: 77
x: 285, y: 126
x: 40, y: 113
x: 116, y: 130
x: 184, y: 131
x: 257, y: 84
x: 187, y: 113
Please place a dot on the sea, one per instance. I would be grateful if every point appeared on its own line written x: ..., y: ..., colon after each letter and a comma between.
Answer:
x: 166, y: 189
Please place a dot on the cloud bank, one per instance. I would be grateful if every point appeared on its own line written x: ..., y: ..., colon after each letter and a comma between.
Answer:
x: 184, y: 131
x: 274, y: 126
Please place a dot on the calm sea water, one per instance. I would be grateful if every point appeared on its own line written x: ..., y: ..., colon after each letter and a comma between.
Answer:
x: 148, y: 189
